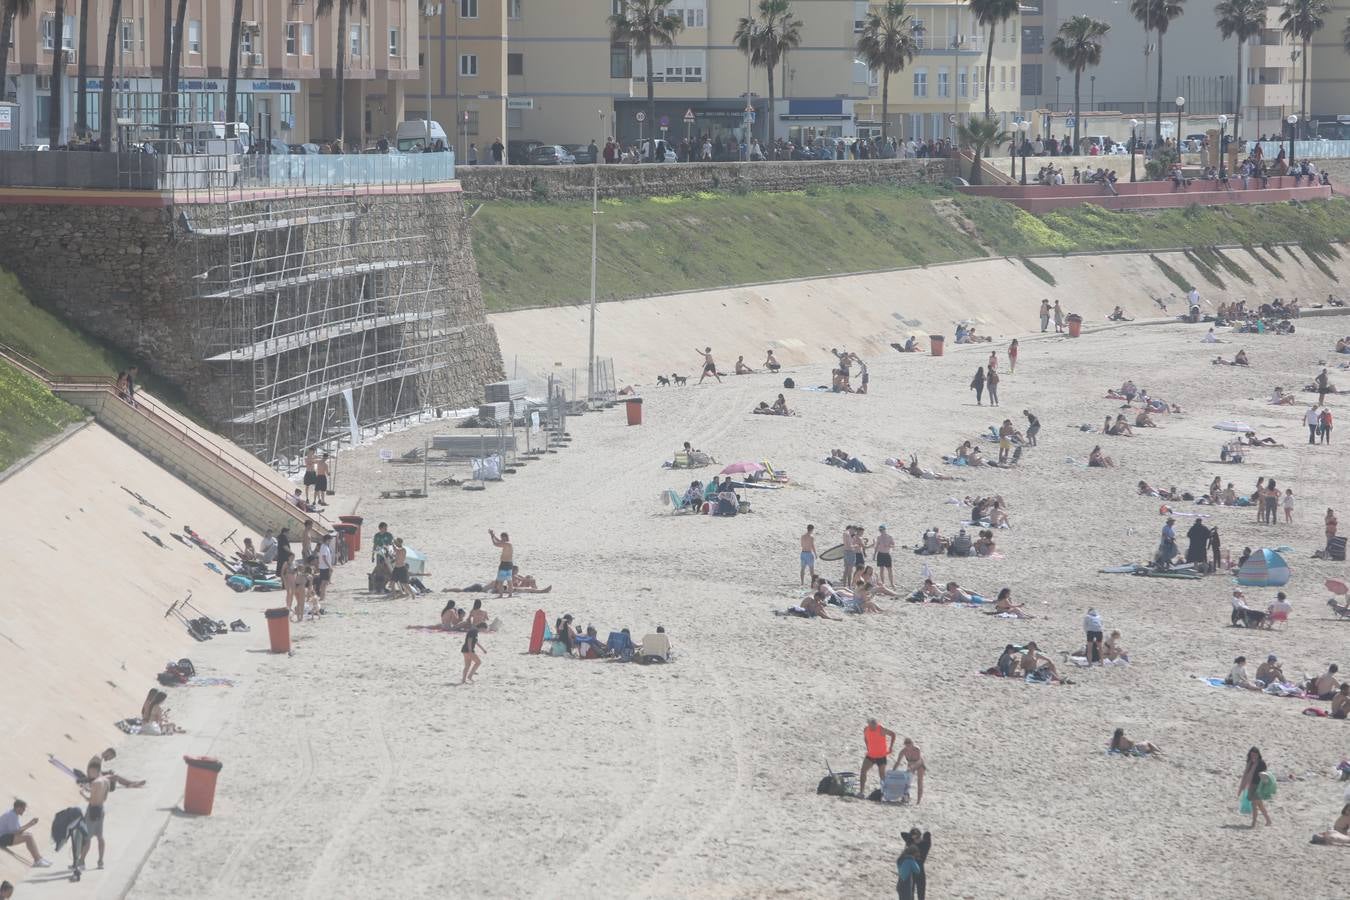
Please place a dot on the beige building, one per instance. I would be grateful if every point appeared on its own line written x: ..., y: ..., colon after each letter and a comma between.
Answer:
x: 1329, y: 76
x: 287, y: 61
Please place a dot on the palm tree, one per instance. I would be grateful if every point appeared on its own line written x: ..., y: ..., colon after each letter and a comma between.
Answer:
x: 344, y: 8
x: 888, y: 42
x: 1302, y: 19
x: 1156, y: 16
x: 992, y: 13
x: 166, y: 90
x: 979, y: 134
x: 81, y: 95
x: 1077, y: 46
x: 58, y: 69
x: 105, y: 110
x: 1244, y: 20
x: 232, y: 88
x: 9, y: 9
x: 175, y: 59
x: 643, y: 25
x: 766, y: 39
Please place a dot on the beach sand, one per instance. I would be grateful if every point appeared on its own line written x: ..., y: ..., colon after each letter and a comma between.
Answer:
x: 358, y: 768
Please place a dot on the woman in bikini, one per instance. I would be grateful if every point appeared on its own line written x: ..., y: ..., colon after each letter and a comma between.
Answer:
x: 1004, y: 604
x: 451, y: 617
x: 478, y: 617
x: 1339, y: 835
x: 471, y: 658
x: 1121, y: 744
x: 1012, y: 356
x: 913, y: 758
x: 1249, y: 788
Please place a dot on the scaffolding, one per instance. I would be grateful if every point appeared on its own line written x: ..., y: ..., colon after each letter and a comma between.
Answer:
x: 321, y: 315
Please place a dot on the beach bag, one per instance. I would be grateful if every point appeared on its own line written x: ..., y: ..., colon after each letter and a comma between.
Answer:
x: 789, y: 383
x: 832, y: 786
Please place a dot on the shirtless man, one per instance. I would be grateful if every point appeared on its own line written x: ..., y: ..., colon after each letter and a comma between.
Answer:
x: 1033, y: 660
x: 880, y: 742
x: 1324, y: 686
x: 815, y: 606
x: 742, y: 368
x: 311, y: 460
x: 95, y: 791
x: 808, y: 553
x: 321, y: 481
x: 526, y: 584
x: 770, y: 363
x: 709, y: 367
x: 504, y: 566
x: 400, y: 567
x: 884, y: 545
x: 913, y: 758
x: 1270, y: 671
x: 850, y: 555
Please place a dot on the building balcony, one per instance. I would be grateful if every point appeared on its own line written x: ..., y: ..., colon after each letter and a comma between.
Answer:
x: 1269, y: 95
x: 1268, y: 56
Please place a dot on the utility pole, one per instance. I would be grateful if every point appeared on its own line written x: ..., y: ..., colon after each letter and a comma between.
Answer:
x: 595, y: 218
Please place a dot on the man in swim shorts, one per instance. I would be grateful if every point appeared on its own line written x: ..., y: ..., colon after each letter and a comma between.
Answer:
x: 808, y: 553
x: 504, y: 566
x: 884, y: 545
x: 709, y: 367
x: 321, y: 481
x: 95, y: 791
x: 310, y: 475
x: 879, y: 742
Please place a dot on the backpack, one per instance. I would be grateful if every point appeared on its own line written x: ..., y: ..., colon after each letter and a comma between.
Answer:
x: 789, y: 383
x: 833, y: 786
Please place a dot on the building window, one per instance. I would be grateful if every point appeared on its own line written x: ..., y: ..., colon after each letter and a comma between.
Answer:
x: 860, y: 72
x: 943, y: 84
x: 1033, y: 39
x: 920, y: 82
x: 49, y: 33
x: 1002, y: 78
x: 307, y: 40
x: 194, y: 41
x: 920, y: 34
x: 1031, y: 80
x: 515, y: 64
x: 292, y: 38
x: 468, y: 65
x: 616, y: 7
x: 691, y: 11
x: 286, y: 109
x: 468, y: 9
x: 620, y: 60
x: 515, y: 118
x: 672, y: 66
x: 393, y: 43
x: 1012, y: 78
x: 140, y: 31
x: 356, y: 42
x: 245, y: 42
x: 963, y: 84
x: 470, y: 121
x: 513, y: 9
x: 128, y: 36
x: 860, y: 10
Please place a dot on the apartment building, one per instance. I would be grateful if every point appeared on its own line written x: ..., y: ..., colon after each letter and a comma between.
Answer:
x: 944, y: 86
x: 1198, y: 65
x: 287, y: 63
x: 1329, y: 76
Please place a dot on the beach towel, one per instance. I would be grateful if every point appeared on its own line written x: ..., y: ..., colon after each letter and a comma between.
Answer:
x: 1314, y: 711
x: 1265, y: 790
x: 1239, y: 427
x: 130, y: 726
x: 1217, y: 682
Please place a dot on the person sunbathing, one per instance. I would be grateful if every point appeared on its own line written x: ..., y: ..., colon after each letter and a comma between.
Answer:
x: 1339, y: 835
x: 1323, y: 687
x: 874, y: 584
x: 928, y: 592
x: 984, y: 543
x: 1120, y: 427
x: 1146, y: 490
x: 1251, y: 440
x: 1037, y: 664
x: 526, y: 584
x: 1238, y: 677
x: 1270, y: 671
x: 450, y: 616
x: 814, y: 606
x: 1340, y: 703
x: 1009, y: 663
x: 770, y: 363
x: 1128, y: 390
x: 1240, y: 359
x: 1117, y: 315
x: 780, y: 407
x: 919, y: 472
x: 1112, y: 650
x: 763, y: 409
x: 1098, y: 460
x: 156, y: 717
x: 862, y: 602
x: 742, y: 368
x: 1279, y: 398
x: 954, y: 594
x: 1121, y: 744
x: 1144, y: 420
x: 963, y: 451
x: 996, y: 515
x: 976, y: 458
x: 1229, y: 495
x: 1004, y: 604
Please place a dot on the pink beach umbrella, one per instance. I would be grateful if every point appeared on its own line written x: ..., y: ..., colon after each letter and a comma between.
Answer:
x: 1337, y: 587
x: 743, y: 468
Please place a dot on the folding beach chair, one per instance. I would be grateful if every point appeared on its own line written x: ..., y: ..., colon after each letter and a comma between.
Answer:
x: 895, y: 786
x: 621, y: 645
x: 654, y: 648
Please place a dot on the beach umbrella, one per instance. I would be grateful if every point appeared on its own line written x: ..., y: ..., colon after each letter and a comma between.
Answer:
x: 1264, y: 568
x: 1337, y: 587
x: 743, y: 468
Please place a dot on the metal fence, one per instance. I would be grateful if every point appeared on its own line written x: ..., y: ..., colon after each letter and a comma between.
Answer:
x: 1304, y: 149
x: 196, y: 171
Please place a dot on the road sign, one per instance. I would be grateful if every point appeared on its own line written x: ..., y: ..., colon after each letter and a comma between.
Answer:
x: 951, y: 117
x: 1070, y: 121
x: 664, y: 122
x: 689, y: 115
x: 641, y: 116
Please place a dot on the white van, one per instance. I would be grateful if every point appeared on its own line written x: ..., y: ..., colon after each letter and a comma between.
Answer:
x: 209, y: 137
x: 413, y: 135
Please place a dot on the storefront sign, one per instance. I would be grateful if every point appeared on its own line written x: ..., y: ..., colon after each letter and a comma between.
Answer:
x: 520, y: 103
x: 272, y: 87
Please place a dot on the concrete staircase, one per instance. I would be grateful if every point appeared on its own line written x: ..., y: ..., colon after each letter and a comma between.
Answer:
x: 181, y: 448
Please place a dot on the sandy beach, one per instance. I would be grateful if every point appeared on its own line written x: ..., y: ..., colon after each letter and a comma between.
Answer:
x: 358, y: 767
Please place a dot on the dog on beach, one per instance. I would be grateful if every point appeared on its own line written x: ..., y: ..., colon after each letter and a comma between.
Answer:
x: 680, y: 380
x: 662, y: 381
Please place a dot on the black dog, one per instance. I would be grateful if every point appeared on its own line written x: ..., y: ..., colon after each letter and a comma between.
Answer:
x: 662, y: 381
x: 680, y: 380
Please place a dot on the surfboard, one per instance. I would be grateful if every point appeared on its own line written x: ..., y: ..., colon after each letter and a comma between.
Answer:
x: 537, y: 632
x: 834, y: 554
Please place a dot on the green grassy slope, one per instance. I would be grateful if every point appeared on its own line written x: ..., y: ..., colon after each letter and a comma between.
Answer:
x: 28, y: 413
x: 538, y: 253
x: 54, y: 344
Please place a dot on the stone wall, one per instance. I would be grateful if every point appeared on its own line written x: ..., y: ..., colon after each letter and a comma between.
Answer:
x: 574, y: 182
x: 136, y: 278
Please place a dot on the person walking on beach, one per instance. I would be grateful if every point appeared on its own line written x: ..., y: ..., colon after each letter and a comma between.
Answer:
x: 471, y: 658
x: 809, y: 553
x: 1323, y: 383
x: 1059, y: 318
x: 879, y: 742
x: 1313, y: 421
x: 504, y: 566
x: 1324, y: 425
x: 709, y: 367
x: 1214, y: 547
x: 991, y: 384
x: 1033, y: 427
x: 1012, y: 356
x: 1045, y: 315
x: 908, y: 872
x: 977, y: 385
x: 885, y: 567
x: 1257, y: 786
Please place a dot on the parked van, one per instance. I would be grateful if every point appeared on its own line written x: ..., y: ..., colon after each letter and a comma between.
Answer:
x: 413, y: 135
x: 209, y: 137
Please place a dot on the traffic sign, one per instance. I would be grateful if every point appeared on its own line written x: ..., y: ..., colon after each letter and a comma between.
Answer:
x: 689, y: 115
x: 951, y: 117
x: 1070, y: 121
x: 641, y: 116
x: 664, y: 122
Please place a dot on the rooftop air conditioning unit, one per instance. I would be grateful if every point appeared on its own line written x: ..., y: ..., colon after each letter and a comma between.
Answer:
x: 257, y: 59
x: 249, y: 25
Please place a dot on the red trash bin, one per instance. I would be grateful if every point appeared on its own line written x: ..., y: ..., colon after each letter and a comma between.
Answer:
x: 279, y: 629
x: 634, y: 407
x: 351, y: 535
x: 199, y: 792
x: 1075, y: 323
x: 935, y: 344
x: 357, y: 521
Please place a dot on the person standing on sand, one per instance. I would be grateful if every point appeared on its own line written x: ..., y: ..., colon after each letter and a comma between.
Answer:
x: 991, y: 385
x: 504, y: 566
x: 321, y: 481
x: 1059, y: 319
x: 848, y: 556
x: 977, y: 385
x: 471, y: 658
x: 1214, y: 544
x: 1095, y: 631
x: 400, y: 569
x: 95, y: 790
x: 913, y: 758
x: 709, y: 367
x: 885, y: 567
x: 879, y: 742
x: 1313, y: 421
x: 1033, y: 427
x: 1045, y: 315
x: 311, y: 459
x: 1012, y: 356
x: 1256, y: 787
x: 809, y: 553
x: 1323, y: 383
x: 325, y: 555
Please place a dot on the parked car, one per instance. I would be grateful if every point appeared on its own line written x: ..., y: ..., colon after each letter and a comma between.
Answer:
x: 517, y: 152
x: 272, y: 147
x: 304, y: 149
x: 551, y: 155
x: 583, y: 154
x: 663, y: 150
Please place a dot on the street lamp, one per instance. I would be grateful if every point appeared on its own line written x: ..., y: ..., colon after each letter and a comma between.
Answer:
x: 1134, y: 145
x: 1024, y: 126
x: 1181, y: 104
x: 1293, y: 121
x: 430, y: 12
x: 1092, y: 96
x: 595, y: 218
x: 1223, y: 126
x: 1057, y: 78
x: 1015, y: 148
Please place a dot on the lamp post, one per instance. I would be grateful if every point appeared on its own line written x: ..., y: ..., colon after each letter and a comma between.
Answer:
x: 1057, y: 78
x: 1092, y: 95
x: 1024, y: 126
x: 1223, y: 128
x: 1293, y: 122
x: 1134, y: 145
x: 430, y: 11
x: 1016, y: 149
x: 1181, y: 104
x: 595, y: 217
